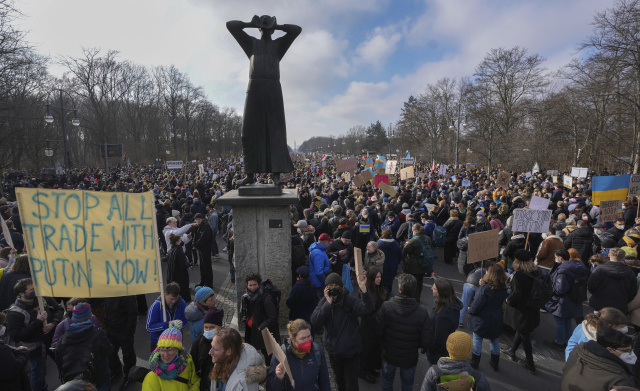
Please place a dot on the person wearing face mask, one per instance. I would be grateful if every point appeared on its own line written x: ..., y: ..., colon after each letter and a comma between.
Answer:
x: 586, y: 330
x: 306, y: 360
x: 629, y: 213
x: 196, y: 310
x: 617, y: 232
x: 600, y: 364
x: 612, y: 284
x: 584, y: 240
x: 201, y: 346
x: 14, y: 361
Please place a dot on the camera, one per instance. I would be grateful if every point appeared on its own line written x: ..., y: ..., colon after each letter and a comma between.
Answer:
x: 334, y: 291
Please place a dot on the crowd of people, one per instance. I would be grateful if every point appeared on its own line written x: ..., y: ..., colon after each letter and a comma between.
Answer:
x: 372, y: 324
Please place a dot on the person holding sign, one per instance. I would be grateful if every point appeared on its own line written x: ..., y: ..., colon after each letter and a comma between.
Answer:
x: 237, y: 366
x: 306, y: 360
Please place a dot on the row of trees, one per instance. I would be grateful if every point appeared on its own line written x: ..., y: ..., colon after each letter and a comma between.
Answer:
x: 512, y: 111
x: 148, y: 110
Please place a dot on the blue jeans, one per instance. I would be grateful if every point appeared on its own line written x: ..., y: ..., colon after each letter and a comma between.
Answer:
x: 467, y: 294
x: 563, y: 329
x: 389, y: 373
x: 477, y: 345
x: 38, y: 382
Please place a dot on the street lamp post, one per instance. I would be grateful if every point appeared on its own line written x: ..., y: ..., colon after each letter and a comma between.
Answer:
x: 48, y: 118
x: 452, y: 127
x: 176, y: 136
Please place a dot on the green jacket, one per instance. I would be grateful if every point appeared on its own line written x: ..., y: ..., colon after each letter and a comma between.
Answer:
x: 592, y: 367
x: 411, y: 253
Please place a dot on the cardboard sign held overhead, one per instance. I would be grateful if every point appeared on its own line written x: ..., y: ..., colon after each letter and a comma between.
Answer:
x: 380, y: 171
x: 391, y: 167
x: 407, y: 173
x: 579, y: 172
x: 6, y: 233
x: 531, y: 220
x: 567, y: 181
x: 610, y: 210
x: 538, y: 203
x: 346, y: 165
x: 483, y: 246
x: 346, y: 176
x: 634, y: 186
x: 358, y: 180
x: 387, y: 189
x: 443, y: 169
x: 366, y: 175
x: 503, y: 179
x: 357, y: 255
x: 381, y: 178
x: 273, y: 348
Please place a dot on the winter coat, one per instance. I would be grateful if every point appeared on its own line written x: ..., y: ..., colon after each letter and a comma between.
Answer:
x: 339, y: 320
x: 155, y: 325
x: 153, y: 382
x: 7, y: 282
x: 411, y: 252
x: 404, y: 327
x: 249, y: 372
x: 584, y: 240
x: 334, y: 249
x: 121, y: 316
x: 203, y: 237
x: 612, y: 284
x: 202, y: 361
x: 447, y: 366
x: 393, y: 225
x: 265, y: 315
x: 485, y: 312
x: 592, y: 367
x: 562, y: 280
x: 376, y: 259
x: 581, y: 334
x: 546, y: 256
x: 21, y: 330
x: 80, y: 340
x: 306, y: 371
x: 515, y: 243
x: 518, y: 314
x: 178, y: 271
x: 319, y: 264
x: 633, y: 308
x: 443, y: 324
x: 63, y: 326
x: 12, y: 370
x: 302, y: 300
x: 453, y: 227
x: 176, y: 231
x: 195, y: 315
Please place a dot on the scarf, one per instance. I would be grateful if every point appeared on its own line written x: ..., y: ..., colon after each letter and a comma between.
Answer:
x: 297, y: 353
x: 254, y: 296
x: 168, y: 371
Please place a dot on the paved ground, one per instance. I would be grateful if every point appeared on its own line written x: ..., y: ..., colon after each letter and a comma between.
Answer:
x: 511, y: 376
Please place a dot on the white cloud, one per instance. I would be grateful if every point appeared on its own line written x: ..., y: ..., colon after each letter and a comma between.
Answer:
x: 380, y: 45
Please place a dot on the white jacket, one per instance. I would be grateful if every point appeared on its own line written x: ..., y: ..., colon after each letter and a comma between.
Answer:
x: 252, y: 360
x: 167, y: 230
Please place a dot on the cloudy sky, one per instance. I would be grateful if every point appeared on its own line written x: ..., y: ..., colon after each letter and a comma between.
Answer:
x: 355, y: 62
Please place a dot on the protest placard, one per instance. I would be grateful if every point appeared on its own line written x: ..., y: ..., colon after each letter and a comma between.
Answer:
x: 393, y: 179
x: 555, y: 179
x: 380, y: 178
x: 567, y: 181
x: 442, y: 170
x: 527, y: 174
x: 466, y: 183
x: 387, y: 189
x: 357, y: 256
x: 610, y: 210
x: 380, y: 171
x: 406, y: 173
x: 552, y: 172
x: 174, y: 164
x: 6, y: 233
x: 531, y: 220
x: 273, y: 348
x: 579, y: 172
x: 358, y: 180
x: 90, y: 244
x: 407, y: 161
x: 346, y: 165
x: 483, y: 245
x: 201, y: 169
x: 634, y: 186
x: 346, y: 176
x: 503, y: 179
x: 538, y: 203
x: 391, y: 167
x: 366, y: 175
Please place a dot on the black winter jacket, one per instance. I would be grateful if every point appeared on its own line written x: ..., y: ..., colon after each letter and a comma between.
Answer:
x: 518, y: 314
x: 76, y: 345
x: 453, y: 228
x: 12, y: 370
x: 340, y: 323
x: 444, y: 323
x: 203, y: 237
x: 404, y: 326
x: 121, y: 316
x: 583, y: 240
x: 612, y: 284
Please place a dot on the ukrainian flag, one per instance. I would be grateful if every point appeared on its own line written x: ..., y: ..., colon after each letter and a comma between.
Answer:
x: 607, y: 188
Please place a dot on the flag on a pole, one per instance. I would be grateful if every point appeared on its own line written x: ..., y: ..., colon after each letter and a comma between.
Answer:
x: 408, y: 155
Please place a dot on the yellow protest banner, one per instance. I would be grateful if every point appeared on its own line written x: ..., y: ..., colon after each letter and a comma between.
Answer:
x: 90, y: 244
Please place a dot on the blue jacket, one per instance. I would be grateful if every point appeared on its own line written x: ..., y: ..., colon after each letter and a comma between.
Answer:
x: 307, y: 372
x: 562, y: 279
x: 155, y: 325
x: 578, y: 337
x: 393, y: 226
x: 485, y: 312
x: 318, y: 264
x: 428, y: 228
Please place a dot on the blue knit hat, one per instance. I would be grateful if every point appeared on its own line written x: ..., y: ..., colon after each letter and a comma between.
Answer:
x: 203, y: 293
x: 81, y: 313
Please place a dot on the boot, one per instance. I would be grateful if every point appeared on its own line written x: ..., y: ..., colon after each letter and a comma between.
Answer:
x: 474, y: 361
x: 495, y: 360
x: 246, y: 181
x: 509, y: 352
x: 528, y: 365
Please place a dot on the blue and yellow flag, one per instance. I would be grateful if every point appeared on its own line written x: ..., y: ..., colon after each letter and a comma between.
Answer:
x: 607, y: 188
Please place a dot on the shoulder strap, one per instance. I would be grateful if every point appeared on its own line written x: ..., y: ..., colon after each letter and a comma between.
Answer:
x: 27, y: 317
x: 181, y: 380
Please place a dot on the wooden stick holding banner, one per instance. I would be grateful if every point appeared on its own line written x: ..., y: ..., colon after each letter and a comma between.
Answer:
x: 273, y: 348
x: 158, y: 261
x: 357, y: 255
x: 526, y: 241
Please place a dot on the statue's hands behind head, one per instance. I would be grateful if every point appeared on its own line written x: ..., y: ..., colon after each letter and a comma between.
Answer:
x: 265, y: 22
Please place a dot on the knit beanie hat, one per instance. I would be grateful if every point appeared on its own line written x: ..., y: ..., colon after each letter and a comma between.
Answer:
x: 333, y: 278
x: 203, y: 293
x: 214, y: 316
x: 459, y: 345
x: 81, y: 313
x: 171, y: 337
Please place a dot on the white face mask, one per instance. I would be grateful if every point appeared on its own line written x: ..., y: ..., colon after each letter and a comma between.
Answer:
x: 624, y: 330
x: 620, y: 227
x: 629, y: 358
x: 598, y: 231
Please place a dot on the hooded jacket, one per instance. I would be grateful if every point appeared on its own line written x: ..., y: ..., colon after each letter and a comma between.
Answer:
x: 195, y: 315
x: 168, y: 230
x: 485, y: 312
x: 562, y: 279
x: 448, y: 366
x: 404, y: 326
x: 612, y: 284
x: 547, y: 253
x: 153, y: 382
x: 582, y: 333
x: 582, y: 239
x: 318, y: 264
x: 249, y: 372
x: 592, y: 367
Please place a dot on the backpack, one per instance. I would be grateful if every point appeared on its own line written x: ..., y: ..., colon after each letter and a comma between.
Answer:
x: 425, y: 259
x: 84, y: 368
x: 439, y: 236
x: 298, y: 256
x: 273, y: 291
x: 578, y: 291
x: 541, y: 290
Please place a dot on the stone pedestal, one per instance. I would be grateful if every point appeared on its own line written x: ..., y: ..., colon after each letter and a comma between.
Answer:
x: 262, y: 240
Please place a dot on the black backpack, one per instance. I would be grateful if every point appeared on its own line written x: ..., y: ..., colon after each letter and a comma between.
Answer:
x: 83, y: 366
x: 541, y: 290
x: 578, y: 291
x: 273, y: 291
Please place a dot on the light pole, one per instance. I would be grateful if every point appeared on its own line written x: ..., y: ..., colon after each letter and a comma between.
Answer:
x: 176, y: 136
x: 390, y: 133
x: 453, y: 126
x: 48, y: 118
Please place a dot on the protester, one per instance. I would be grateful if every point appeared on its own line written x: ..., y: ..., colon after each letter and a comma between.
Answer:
x: 370, y: 357
x: 444, y: 318
x: 63, y: 326
x: 319, y: 263
x: 202, y: 242
x: 121, y: 319
x: 171, y: 367
x: 586, y: 331
x: 196, y: 310
x: 19, y: 270
x: 258, y: 311
x: 584, y: 240
x: 200, y: 348
x: 373, y: 257
x: 174, y: 310
x: 547, y: 253
x: 302, y: 299
x: 411, y: 254
x: 178, y: 266
x: 306, y: 361
x: 612, y: 284
x: 453, y: 227
x: 13, y: 375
